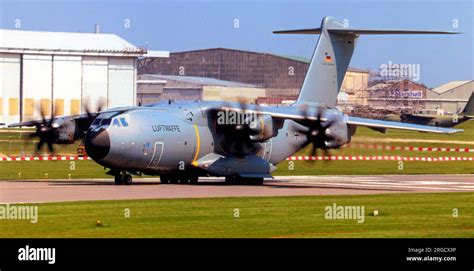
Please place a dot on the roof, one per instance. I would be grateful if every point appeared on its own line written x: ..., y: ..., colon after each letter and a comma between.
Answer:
x: 393, y: 84
x: 65, y: 43
x: 293, y: 58
x: 198, y: 80
x: 449, y: 86
x: 151, y: 82
x: 379, y: 86
x: 155, y: 53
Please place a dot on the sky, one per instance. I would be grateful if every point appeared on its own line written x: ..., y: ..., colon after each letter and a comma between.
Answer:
x: 188, y: 25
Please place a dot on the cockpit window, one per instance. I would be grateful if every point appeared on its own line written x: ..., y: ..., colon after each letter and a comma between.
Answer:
x: 104, y: 119
x: 108, y: 115
x: 96, y: 121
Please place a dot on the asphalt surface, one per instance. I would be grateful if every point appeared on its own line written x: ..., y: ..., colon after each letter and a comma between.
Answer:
x: 83, y: 190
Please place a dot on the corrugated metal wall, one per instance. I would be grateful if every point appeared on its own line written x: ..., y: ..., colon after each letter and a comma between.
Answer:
x: 9, y: 87
x: 67, y: 82
x: 63, y: 82
x: 264, y: 70
x: 121, y: 78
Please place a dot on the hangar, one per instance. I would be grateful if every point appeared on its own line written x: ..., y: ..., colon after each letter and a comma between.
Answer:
x: 451, y: 97
x: 59, y: 71
x: 153, y: 88
x: 280, y: 76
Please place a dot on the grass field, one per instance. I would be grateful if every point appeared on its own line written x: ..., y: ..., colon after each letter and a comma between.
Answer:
x: 88, y: 169
x: 53, y: 169
x: 400, y: 215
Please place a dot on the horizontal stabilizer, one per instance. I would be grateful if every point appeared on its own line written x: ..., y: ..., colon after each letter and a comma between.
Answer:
x: 354, y: 31
x: 332, y: 55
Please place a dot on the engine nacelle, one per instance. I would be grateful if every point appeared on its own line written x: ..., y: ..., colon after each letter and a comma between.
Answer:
x: 339, y: 133
x: 65, y: 131
x: 264, y: 128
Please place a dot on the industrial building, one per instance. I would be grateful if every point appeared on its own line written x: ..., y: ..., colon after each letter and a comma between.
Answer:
x: 153, y: 88
x: 281, y: 77
x: 409, y: 96
x: 59, y: 72
x: 396, y: 95
x: 354, y: 87
x: 450, y: 97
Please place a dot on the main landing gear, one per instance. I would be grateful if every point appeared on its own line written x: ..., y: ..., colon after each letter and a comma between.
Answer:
x: 179, y: 178
x: 243, y: 181
x: 123, y: 178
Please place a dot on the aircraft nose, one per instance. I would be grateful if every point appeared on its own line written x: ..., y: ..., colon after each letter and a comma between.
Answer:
x: 97, y: 143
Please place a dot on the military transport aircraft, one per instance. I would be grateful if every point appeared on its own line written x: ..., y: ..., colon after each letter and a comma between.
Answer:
x: 443, y: 120
x: 181, y: 141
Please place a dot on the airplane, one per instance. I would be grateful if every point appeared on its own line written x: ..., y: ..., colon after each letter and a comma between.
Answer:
x: 426, y: 118
x: 181, y: 141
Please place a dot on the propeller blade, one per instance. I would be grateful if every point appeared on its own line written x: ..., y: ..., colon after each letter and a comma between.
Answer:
x: 39, y: 145
x: 43, y: 116
x: 45, y: 131
x: 50, y: 147
x: 315, y: 131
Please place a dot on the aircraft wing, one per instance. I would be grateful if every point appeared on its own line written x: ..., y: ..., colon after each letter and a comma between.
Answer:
x: 77, y: 118
x: 40, y: 121
x: 294, y: 113
x: 382, y: 124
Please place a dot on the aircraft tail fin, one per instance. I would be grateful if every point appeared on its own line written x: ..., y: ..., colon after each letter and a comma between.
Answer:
x: 331, y: 58
x: 469, y: 109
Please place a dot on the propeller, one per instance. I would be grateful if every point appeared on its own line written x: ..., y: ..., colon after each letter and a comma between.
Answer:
x: 48, y: 131
x: 315, y: 131
x: 92, y: 113
x: 45, y: 131
x: 236, y: 136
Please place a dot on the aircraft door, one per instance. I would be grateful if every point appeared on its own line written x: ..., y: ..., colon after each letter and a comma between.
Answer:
x: 157, y: 153
x: 267, y: 150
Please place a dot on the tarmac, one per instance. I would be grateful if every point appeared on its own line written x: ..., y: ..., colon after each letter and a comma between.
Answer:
x: 39, y: 191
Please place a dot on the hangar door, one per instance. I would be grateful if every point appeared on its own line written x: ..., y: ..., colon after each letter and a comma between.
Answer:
x: 121, y: 82
x: 67, y: 85
x: 9, y: 88
x: 94, y: 80
x: 37, y: 85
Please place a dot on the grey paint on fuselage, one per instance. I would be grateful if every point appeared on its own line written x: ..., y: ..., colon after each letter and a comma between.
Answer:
x: 163, y: 138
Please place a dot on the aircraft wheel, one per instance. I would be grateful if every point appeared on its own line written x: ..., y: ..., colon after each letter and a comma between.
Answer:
x: 247, y: 181
x: 164, y: 179
x: 183, y: 179
x: 173, y: 180
x: 193, y: 179
x: 257, y: 181
x: 118, y: 179
x: 127, y: 179
x: 231, y: 180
